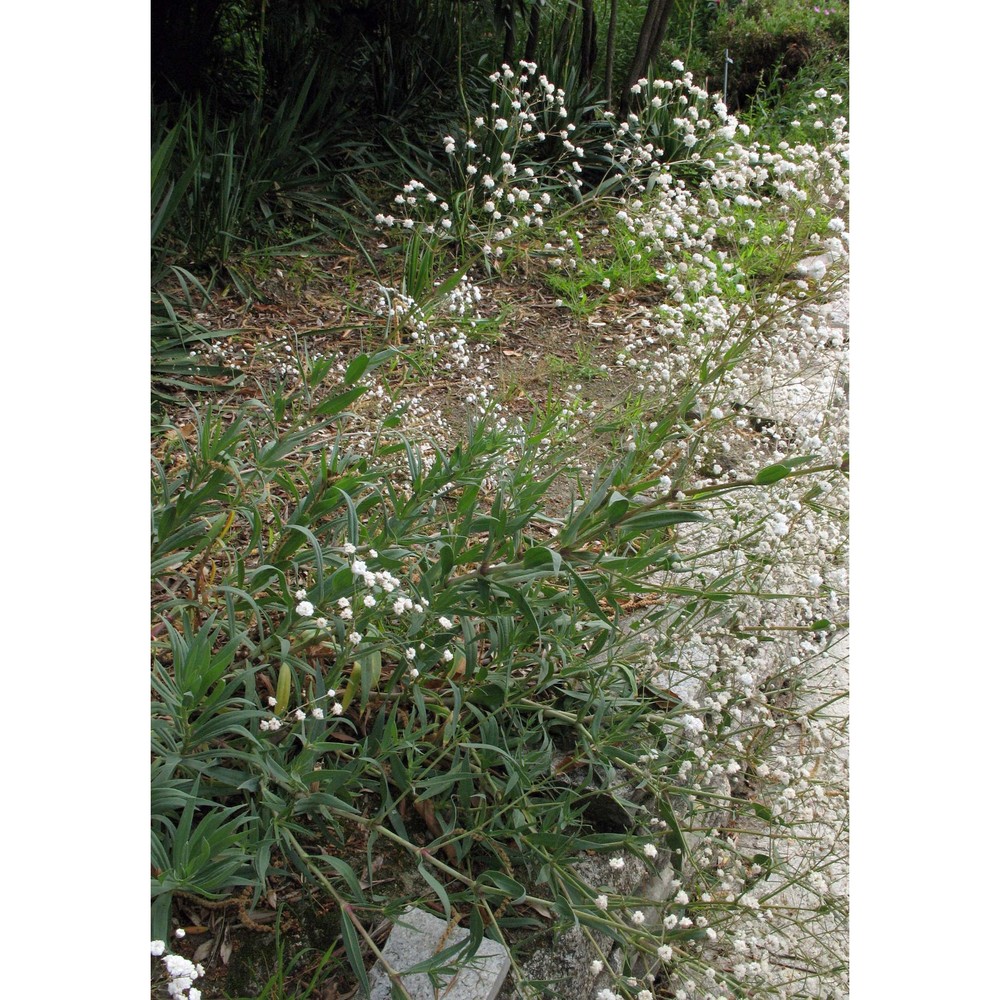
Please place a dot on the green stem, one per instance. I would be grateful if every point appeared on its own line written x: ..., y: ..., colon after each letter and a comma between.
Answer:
x: 349, y: 910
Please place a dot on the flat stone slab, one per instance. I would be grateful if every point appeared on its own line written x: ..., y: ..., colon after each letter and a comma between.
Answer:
x: 419, y: 936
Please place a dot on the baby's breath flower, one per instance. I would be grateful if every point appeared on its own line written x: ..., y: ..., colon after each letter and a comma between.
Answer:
x: 305, y: 608
x: 650, y: 850
x: 317, y: 713
x: 301, y: 594
x: 596, y: 966
x: 321, y: 623
x: 156, y: 948
x: 601, y: 902
x: 369, y: 601
x: 272, y: 701
x: 617, y: 864
x: 638, y: 918
x: 445, y: 622
x: 359, y: 567
x: 299, y: 715
x: 665, y: 952
x: 447, y: 656
x: 336, y: 708
x: 349, y: 548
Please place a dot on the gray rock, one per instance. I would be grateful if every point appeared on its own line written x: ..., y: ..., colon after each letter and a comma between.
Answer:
x: 418, y: 937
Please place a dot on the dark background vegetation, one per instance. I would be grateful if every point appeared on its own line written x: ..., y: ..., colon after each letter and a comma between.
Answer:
x: 282, y: 120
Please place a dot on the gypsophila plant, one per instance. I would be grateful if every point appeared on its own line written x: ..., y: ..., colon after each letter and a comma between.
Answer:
x: 527, y: 684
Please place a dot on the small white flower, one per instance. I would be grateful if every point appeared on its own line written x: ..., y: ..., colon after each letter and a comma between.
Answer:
x: 414, y: 673
x: 272, y: 701
x: 349, y: 549
x: 638, y: 918
x: 358, y: 567
x: 317, y: 713
x: 617, y: 864
x: 411, y: 653
x: 445, y: 622
x: 682, y: 897
x: 601, y: 902
x: 447, y: 656
x: 180, y: 932
x: 178, y: 966
x: 369, y: 601
x: 331, y: 693
x: 665, y: 952
x: 301, y: 594
x: 644, y: 995
x: 321, y: 623
x: 156, y: 948
x: 596, y: 966
x: 337, y: 708
x: 354, y: 638
x: 304, y: 608
x: 650, y: 850
x: 299, y: 715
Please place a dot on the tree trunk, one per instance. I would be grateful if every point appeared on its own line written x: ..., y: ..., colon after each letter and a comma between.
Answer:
x: 509, y: 31
x: 654, y: 25
x: 609, y: 52
x: 531, y: 45
x: 588, y: 43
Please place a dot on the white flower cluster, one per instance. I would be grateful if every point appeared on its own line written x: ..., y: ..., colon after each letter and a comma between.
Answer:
x: 493, y: 169
x: 181, y: 971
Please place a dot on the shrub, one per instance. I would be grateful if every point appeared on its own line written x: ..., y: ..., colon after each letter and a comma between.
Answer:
x: 775, y: 40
